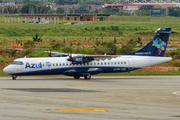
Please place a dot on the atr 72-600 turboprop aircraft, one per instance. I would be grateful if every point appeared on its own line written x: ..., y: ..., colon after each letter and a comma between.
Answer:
x: 77, y: 65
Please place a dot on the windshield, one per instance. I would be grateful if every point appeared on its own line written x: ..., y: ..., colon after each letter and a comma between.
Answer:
x: 17, y: 63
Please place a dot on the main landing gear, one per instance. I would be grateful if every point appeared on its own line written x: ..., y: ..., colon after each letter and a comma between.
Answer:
x: 76, y: 77
x: 14, y: 77
x: 86, y: 76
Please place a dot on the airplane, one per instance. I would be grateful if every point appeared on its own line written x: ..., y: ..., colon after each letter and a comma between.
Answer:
x: 78, y: 65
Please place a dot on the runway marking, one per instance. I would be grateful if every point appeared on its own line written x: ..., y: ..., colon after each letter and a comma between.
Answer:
x: 24, y: 117
x: 142, y: 112
x: 176, y: 93
x: 77, y: 110
x: 84, y: 82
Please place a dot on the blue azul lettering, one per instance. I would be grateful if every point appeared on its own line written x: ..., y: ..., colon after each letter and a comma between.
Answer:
x: 33, y: 65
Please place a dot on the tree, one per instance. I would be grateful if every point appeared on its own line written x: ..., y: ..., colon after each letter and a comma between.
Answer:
x: 25, y: 8
x: 51, y: 11
x: 69, y: 2
x: 43, y: 9
x: 60, y: 10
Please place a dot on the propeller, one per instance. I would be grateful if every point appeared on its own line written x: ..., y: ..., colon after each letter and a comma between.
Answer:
x: 50, y: 53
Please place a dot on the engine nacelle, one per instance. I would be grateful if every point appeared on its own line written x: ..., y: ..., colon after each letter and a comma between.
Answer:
x: 79, y: 59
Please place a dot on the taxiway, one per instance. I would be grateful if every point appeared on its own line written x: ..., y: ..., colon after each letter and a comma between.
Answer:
x: 101, y: 98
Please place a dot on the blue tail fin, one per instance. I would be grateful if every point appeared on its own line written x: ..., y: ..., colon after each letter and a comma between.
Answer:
x: 157, y: 47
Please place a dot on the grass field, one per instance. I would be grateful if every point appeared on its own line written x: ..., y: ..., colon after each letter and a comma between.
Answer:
x: 123, y: 28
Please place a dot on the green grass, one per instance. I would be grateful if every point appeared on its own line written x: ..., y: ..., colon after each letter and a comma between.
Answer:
x: 3, y: 74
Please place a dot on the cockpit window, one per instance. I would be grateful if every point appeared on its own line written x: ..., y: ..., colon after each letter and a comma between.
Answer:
x: 17, y: 63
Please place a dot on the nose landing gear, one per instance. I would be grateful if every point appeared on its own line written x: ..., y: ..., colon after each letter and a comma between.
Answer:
x: 14, y: 77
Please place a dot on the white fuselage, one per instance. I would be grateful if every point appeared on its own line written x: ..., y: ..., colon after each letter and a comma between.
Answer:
x: 60, y: 65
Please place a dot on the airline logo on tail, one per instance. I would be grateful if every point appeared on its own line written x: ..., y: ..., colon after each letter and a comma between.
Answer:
x: 160, y: 45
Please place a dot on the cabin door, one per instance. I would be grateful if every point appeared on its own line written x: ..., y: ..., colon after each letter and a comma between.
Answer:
x: 130, y: 63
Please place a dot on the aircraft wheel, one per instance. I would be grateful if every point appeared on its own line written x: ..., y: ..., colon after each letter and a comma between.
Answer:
x: 76, y: 77
x: 14, y: 77
x: 87, y: 76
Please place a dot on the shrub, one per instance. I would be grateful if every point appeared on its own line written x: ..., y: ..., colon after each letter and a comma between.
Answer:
x: 36, y: 38
x: 125, y: 49
x: 67, y: 49
x: 116, y: 28
x: 103, y: 28
x: 112, y: 27
x: 139, y: 41
x: 176, y: 64
x: 97, y: 42
x: 115, y: 41
x: 103, y: 43
x: 57, y: 46
x: 29, y: 43
x: 97, y: 28
x: 111, y: 48
x: 131, y: 42
x: 120, y: 33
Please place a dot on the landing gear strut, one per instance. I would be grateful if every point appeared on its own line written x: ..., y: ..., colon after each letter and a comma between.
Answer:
x: 76, y: 77
x: 87, y: 76
x: 14, y: 77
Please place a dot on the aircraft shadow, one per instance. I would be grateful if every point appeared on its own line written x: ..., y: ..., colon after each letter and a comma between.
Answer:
x: 50, y: 90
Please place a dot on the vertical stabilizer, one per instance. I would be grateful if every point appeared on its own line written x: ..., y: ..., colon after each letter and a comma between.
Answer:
x: 157, y: 47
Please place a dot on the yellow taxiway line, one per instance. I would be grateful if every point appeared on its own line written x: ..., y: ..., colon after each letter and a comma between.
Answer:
x: 77, y: 110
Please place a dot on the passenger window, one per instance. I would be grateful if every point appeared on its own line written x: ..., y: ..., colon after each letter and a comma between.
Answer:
x: 87, y: 63
x: 90, y: 63
x: 63, y: 64
x: 124, y: 62
x: 59, y: 64
x: 105, y: 63
x: 56, y: 64
x: 66, y: 64
x: 94, y: 63
x: 98, y: 63
x: 108, y: 63
x: 101, y: 63
x: 43, y: 64
x: 53, y: 64
x: 121, y: 62
x: 115, y: 63
x: 111, y: 63
x: 118, y: 62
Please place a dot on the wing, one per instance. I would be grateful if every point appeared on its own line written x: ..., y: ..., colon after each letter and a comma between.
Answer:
x: 101, y: 57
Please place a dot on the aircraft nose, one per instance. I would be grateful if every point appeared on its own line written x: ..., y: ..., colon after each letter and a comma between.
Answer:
x: 6, y: 70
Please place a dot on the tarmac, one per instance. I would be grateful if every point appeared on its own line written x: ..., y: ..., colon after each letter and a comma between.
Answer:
x: 101, y: 98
